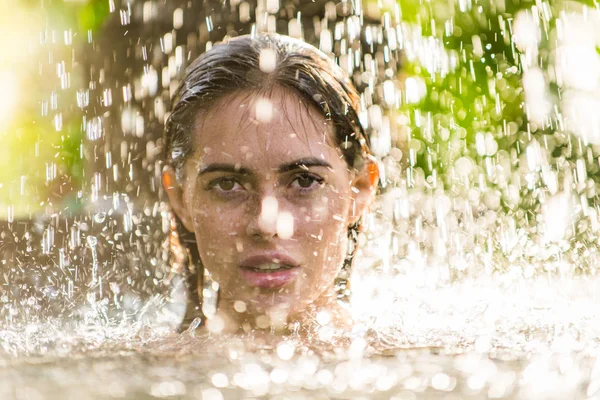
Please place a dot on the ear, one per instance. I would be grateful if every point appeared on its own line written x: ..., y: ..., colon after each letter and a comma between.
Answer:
x: 175, y: 195
x: 364, y: 186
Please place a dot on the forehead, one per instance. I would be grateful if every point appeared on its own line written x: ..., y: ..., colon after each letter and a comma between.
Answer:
x: 263, y: 128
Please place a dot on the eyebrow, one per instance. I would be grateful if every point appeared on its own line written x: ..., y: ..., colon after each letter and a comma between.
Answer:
x: 303, y: 163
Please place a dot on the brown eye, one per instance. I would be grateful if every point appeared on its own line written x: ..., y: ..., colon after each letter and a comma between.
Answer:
x: 226, y: 187
x: 227, y: 184
x: 305, y: 181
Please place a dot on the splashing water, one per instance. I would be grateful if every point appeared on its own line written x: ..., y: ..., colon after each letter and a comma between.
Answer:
x: 92, y: 242
x: 477, y: 268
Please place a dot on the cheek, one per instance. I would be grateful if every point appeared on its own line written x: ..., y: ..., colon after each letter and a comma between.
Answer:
x: 326, y: 211
x: 217, y: 231
x: 323, y: 225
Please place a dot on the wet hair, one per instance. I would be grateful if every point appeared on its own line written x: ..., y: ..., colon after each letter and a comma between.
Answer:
x: 234, y: 66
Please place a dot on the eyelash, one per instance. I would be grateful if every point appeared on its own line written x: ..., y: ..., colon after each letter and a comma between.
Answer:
x: 305, y: 175
x: 215, y: 182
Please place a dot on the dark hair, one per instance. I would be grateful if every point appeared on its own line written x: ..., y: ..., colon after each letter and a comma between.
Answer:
x: 234, y: 66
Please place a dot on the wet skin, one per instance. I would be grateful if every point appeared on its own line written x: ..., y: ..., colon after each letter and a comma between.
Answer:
x: 252, y: 178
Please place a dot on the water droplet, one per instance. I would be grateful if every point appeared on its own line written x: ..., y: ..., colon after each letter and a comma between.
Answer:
x: 268, y: 212
x: 267, y: 60
x: 92, y: 241
x: 285, y: 350
x: 177, y: 18
x: 264, y: 110
x: 272, y: 6
x: 100, y: 217
x: 285, y: 225
x: 94, y: 129
x: 83, y: 98
x: 239, y: 306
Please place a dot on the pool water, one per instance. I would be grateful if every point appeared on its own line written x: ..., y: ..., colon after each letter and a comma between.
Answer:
x: 477, y: 339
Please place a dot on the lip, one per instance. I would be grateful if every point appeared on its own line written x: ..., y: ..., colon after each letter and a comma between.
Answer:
x: 268, y: 257
x: 269, y: 279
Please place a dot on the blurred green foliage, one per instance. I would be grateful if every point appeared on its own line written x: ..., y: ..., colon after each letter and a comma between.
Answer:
x: 482, y: 94
x: 92, y: 15
x: 483, y: 97
x: 40, y: 160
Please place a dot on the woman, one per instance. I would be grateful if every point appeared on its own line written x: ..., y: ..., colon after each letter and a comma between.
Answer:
x: 268, y: 172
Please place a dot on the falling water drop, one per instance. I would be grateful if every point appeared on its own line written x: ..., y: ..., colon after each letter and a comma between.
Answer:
x: 267, y: 60
x: 100, y: 217
x: 263, y: 110
x: 92, y: 242
x: 285, y: 225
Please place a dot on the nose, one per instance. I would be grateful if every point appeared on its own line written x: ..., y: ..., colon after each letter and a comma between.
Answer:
x: 263, y: 224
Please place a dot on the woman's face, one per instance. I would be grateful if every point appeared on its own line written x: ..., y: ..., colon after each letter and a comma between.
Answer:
x: 269, y: 197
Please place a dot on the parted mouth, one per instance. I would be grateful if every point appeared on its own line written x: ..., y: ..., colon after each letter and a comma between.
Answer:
x: 269, y: 270
x: 268, y: 262
x: 269, y: 267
